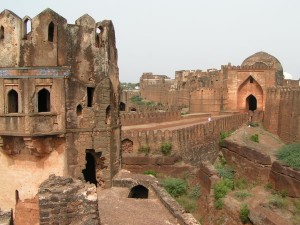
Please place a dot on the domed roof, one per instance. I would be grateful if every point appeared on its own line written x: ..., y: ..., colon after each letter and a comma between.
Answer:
x: 263, y: 57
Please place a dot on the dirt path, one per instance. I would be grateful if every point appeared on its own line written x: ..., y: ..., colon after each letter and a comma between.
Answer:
x: 172, y: 125
x: 116, y: 209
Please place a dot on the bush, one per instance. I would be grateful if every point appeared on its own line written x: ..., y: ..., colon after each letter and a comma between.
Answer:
x: 244, y: 213
x: 225, y: 172
x: 242, y: 195
x: 219, y: 204
x: 166, y: 148
x: 254, y: 138
x: 195, y: 192
x: 278, y: 201
x: 290, y: 155
x: 144, y: 149
x: 240, y: 183
x: 223, y: 135
x: 175, y: 187
x: 150, y: 172
x: 222, y: 188
x: 187, y: 203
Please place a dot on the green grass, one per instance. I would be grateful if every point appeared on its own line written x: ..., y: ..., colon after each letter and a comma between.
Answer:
x: 278, y: 201
x: 290, y: 155
x: 242, y: 195
x: 150, y: 172
x: 254, y: 138
x: 222, y: 188
x: 189, y: 204
x: 225, y: 171
x: 240, y: 183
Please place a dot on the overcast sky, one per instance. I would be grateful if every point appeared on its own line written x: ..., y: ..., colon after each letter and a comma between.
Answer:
x: 163, y: 36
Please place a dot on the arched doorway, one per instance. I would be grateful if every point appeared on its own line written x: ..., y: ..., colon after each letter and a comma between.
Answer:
x: 89, y: 173
x: 138, y: 191
x: 122, y: 106
x: 251, y: 103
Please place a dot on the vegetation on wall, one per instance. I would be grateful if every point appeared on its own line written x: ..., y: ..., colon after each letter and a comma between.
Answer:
x: 166, y: 148
x: 290, y: 155
x: 136, y: 99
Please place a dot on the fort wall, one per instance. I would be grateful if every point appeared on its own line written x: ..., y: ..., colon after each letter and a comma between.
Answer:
x: 282, y: 111
x: 194, y: 144
x: 150, y: 117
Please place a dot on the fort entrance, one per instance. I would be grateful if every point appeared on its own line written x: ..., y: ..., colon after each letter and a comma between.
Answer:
x: 251, y: 103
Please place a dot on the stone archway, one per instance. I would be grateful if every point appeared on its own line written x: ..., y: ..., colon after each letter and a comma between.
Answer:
x: 250, y: 95
x: 251, y: 103
x: 138, y: 191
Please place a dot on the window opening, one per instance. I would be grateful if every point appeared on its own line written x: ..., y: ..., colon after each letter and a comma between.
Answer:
x: 1, y: 32
x: 138, y: 191
x: 108, y: 115
x: 13, y: 101
x: 44, y: 100
x: 79, y: 110
x: 99, y: 33
x: 89, y: 173
x: 251, y: 80
x: 27, y: 28
x: 122, y: 106
x: 90, y: 96
x: 51, y: 32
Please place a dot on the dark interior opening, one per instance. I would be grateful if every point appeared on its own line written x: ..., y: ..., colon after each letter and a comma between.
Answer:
x: 122, y: 106
x: 79, y: 110
x: 108, y: 115
x: 133, y: 109
x: 44, y: 101
x: 138, y: 191
x: 251, y: 80
x: 90, y: 96
x: 89, y: 173
x: 13, y: 101
x: 251, y: 103
x: 2, y: 32
x: 51, y: 32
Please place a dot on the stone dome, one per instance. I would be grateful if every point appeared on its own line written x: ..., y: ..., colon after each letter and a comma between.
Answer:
x: 265, y: 58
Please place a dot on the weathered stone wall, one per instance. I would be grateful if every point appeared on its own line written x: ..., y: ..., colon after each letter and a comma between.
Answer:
x: 68, y: 201
x: 206, y: 100
x: 150, y: 117
x: 281, y: 116
x: 194, y: 144
x: 248, y: 162
x: 27, y: 212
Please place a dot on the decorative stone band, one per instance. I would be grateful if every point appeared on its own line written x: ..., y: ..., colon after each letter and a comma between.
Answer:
x: 35, y: 72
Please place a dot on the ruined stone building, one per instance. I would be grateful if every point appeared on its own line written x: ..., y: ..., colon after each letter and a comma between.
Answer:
x: 232, y: 88
x: 59, y: 102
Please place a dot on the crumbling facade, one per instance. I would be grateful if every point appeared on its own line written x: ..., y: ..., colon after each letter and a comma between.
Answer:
x: 59, y: 104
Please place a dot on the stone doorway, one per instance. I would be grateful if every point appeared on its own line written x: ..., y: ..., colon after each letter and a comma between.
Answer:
x: 251, y: 103
x: 89, y: 173
x: 138, y: 191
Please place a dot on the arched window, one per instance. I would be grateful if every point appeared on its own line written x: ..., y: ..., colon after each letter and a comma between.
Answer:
x: 44, y: 100
x: 98, y: 38
x: 26, y: 28
x: 122, y: 106
x: 13, y: 105
x: 1, y: 32
x: 79, y: 110
x: 51, y: 32
x: 108, y: 115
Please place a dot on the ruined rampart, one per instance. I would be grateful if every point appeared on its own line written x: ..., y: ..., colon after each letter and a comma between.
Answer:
x: 194, y: 144
x: 282, y: 111
x: 148, y: 117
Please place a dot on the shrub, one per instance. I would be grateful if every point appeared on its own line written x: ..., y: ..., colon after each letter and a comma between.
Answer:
x: 223, y: 135
x: 150, y: 172
x: 278, y: 201
x: 144, y: 149
x: 242, y: 195
x: 225, y: 172
x: 254, y: 138
x: 195, y: 192
x: 166, y: 148
x: 244, y: 213
x: 187, y: 203
x: 219, y: 204
x: 222, y: 188
x: 240, y: 183
x: 268, y: 187
x: 290, y: 154
x: 175, y: 187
